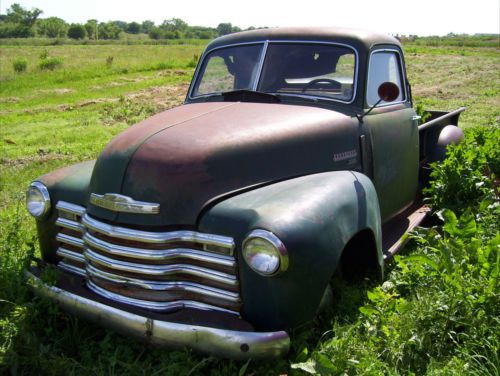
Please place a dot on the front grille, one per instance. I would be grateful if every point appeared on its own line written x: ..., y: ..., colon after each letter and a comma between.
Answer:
x: 159, y: 271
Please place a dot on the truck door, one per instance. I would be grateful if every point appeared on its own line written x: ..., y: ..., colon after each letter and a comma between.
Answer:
x: 393, y: 131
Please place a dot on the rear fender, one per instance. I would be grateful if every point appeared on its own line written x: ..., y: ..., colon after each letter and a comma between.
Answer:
x: 314, y: 216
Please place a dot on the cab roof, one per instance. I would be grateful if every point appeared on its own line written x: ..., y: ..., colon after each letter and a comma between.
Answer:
x: 362, y: 40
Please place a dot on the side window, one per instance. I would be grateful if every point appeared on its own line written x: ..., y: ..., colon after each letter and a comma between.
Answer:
x: 384, y: 66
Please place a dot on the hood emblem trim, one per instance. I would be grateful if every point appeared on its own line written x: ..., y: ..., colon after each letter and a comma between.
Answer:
x: 120, y: 203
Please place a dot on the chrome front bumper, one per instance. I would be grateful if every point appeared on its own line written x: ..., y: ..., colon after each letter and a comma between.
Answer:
x: 219, y: 342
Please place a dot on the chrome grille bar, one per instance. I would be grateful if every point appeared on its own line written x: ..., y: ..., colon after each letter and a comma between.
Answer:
x: 163, y: 286
x: 70, y: 208
x: 71, y: 268
x: 69, y: 224
x: 157, y: 254
x: 154, y: 306
x: 159, y: 271
x: 70, y: 255
x: 71, y: 240
x: 157, y: 237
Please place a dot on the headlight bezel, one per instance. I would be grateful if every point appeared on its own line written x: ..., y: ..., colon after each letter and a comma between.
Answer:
x: 280, y: 251
x: 44, y: 193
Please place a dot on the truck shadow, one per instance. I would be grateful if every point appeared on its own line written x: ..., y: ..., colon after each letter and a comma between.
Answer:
x: 341, y: 308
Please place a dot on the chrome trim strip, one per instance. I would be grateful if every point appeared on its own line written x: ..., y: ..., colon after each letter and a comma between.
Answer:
x: 157, y: 237
x: 161, y: 270
x: 260, y: 66
x: 69, y: 224
x: 402, y: 77
x: 158, y: 254
x: 71, y: 255
x: 40, y: 187
x: 71, y: 240
x: 277, y: 244
x: 152, y: 305
x: 70, y: 208
x: 219, y: 342
x: 257, y: 78
x: 124, y: 204
x: 71, y: 269
x: 164, y: 286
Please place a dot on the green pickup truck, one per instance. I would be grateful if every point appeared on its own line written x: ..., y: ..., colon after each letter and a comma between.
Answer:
x: 218, y: 225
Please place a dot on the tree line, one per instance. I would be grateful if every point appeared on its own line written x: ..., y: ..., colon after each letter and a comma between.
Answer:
x: 19, y: 22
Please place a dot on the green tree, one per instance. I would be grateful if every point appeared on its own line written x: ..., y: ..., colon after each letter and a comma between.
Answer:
x: 122, y: 25
x: 174, y: 24
x: 155, y: 32
x: 91, y: 26
x: 18, y: 15
x: 133, y: 28
x: 108, y: 30
x: 52, y: 27
x: 77, y: 31
x: 225, y: 28
x: 18, y: 23
x: 147, y: 26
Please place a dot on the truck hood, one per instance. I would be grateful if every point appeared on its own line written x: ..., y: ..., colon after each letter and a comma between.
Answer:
x: 188, y: 157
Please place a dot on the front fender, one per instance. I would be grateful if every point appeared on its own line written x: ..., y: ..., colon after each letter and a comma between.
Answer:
x: 314, y: 216
x: 66, y: 184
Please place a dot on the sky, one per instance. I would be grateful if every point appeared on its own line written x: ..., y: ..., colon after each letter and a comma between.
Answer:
x: 404, y: 17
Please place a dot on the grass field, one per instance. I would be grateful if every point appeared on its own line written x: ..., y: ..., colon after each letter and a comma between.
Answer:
x: 54, y: 118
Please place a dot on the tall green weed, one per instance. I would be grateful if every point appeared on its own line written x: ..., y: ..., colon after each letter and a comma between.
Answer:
x: 469, y: 175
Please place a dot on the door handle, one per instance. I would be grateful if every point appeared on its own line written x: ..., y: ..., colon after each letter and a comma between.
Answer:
x: 416, y: 117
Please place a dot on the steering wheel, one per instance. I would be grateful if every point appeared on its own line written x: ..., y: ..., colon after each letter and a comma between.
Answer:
x: 336, y: 84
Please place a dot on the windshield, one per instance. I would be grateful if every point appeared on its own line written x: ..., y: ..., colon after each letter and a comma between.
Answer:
x: 320, y: 70
x: 228, y: 69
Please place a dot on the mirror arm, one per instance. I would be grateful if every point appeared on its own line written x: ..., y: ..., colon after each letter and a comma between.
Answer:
x: 361, y: 116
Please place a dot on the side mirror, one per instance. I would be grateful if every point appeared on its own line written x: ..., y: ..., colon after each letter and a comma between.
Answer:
x: 388, y: 92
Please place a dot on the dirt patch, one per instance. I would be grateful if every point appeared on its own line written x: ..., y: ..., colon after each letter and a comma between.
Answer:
x: 40, y: 158
x: 163, y: 97
x: 56, y: 91
x: 10, y: 100
x: 175, y: 72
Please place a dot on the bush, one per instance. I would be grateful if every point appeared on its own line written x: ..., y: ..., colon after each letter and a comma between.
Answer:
x: 20, y: 65
x: 77, y: 31
x: 109, y: 61
x: 127, y: 111
x: 50, y: 63
x: 469, y: 174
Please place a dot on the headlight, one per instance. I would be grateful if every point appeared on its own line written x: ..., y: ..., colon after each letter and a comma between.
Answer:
x: 37, y: 200
x: 265, y: 253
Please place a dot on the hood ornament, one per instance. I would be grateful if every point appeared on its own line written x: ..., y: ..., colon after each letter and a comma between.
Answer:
x: 124, y: 204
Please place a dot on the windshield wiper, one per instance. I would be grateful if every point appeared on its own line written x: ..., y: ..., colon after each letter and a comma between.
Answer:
x: 250, y: 96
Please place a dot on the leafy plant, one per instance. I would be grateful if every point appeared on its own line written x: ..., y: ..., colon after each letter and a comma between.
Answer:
x: 50, y: 63
x: 44, y: 55
x: 424, y: 115
x: 468, y: 176
x: 109, y: 60
x: 127, y: 110
x: 19, y: 65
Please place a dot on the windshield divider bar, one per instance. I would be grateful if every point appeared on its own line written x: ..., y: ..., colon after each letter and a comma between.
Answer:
x: 261, y: 64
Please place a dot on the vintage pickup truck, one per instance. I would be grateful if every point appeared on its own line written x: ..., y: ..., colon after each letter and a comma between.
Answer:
x: 218, y: 225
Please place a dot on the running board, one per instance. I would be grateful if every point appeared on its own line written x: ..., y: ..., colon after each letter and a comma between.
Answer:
x: 393, y: 232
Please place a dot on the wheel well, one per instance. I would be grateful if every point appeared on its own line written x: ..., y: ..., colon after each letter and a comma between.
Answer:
x: 359, y: 258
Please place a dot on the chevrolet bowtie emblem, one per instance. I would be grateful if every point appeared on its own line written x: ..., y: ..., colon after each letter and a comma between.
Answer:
x: 124, y: 204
